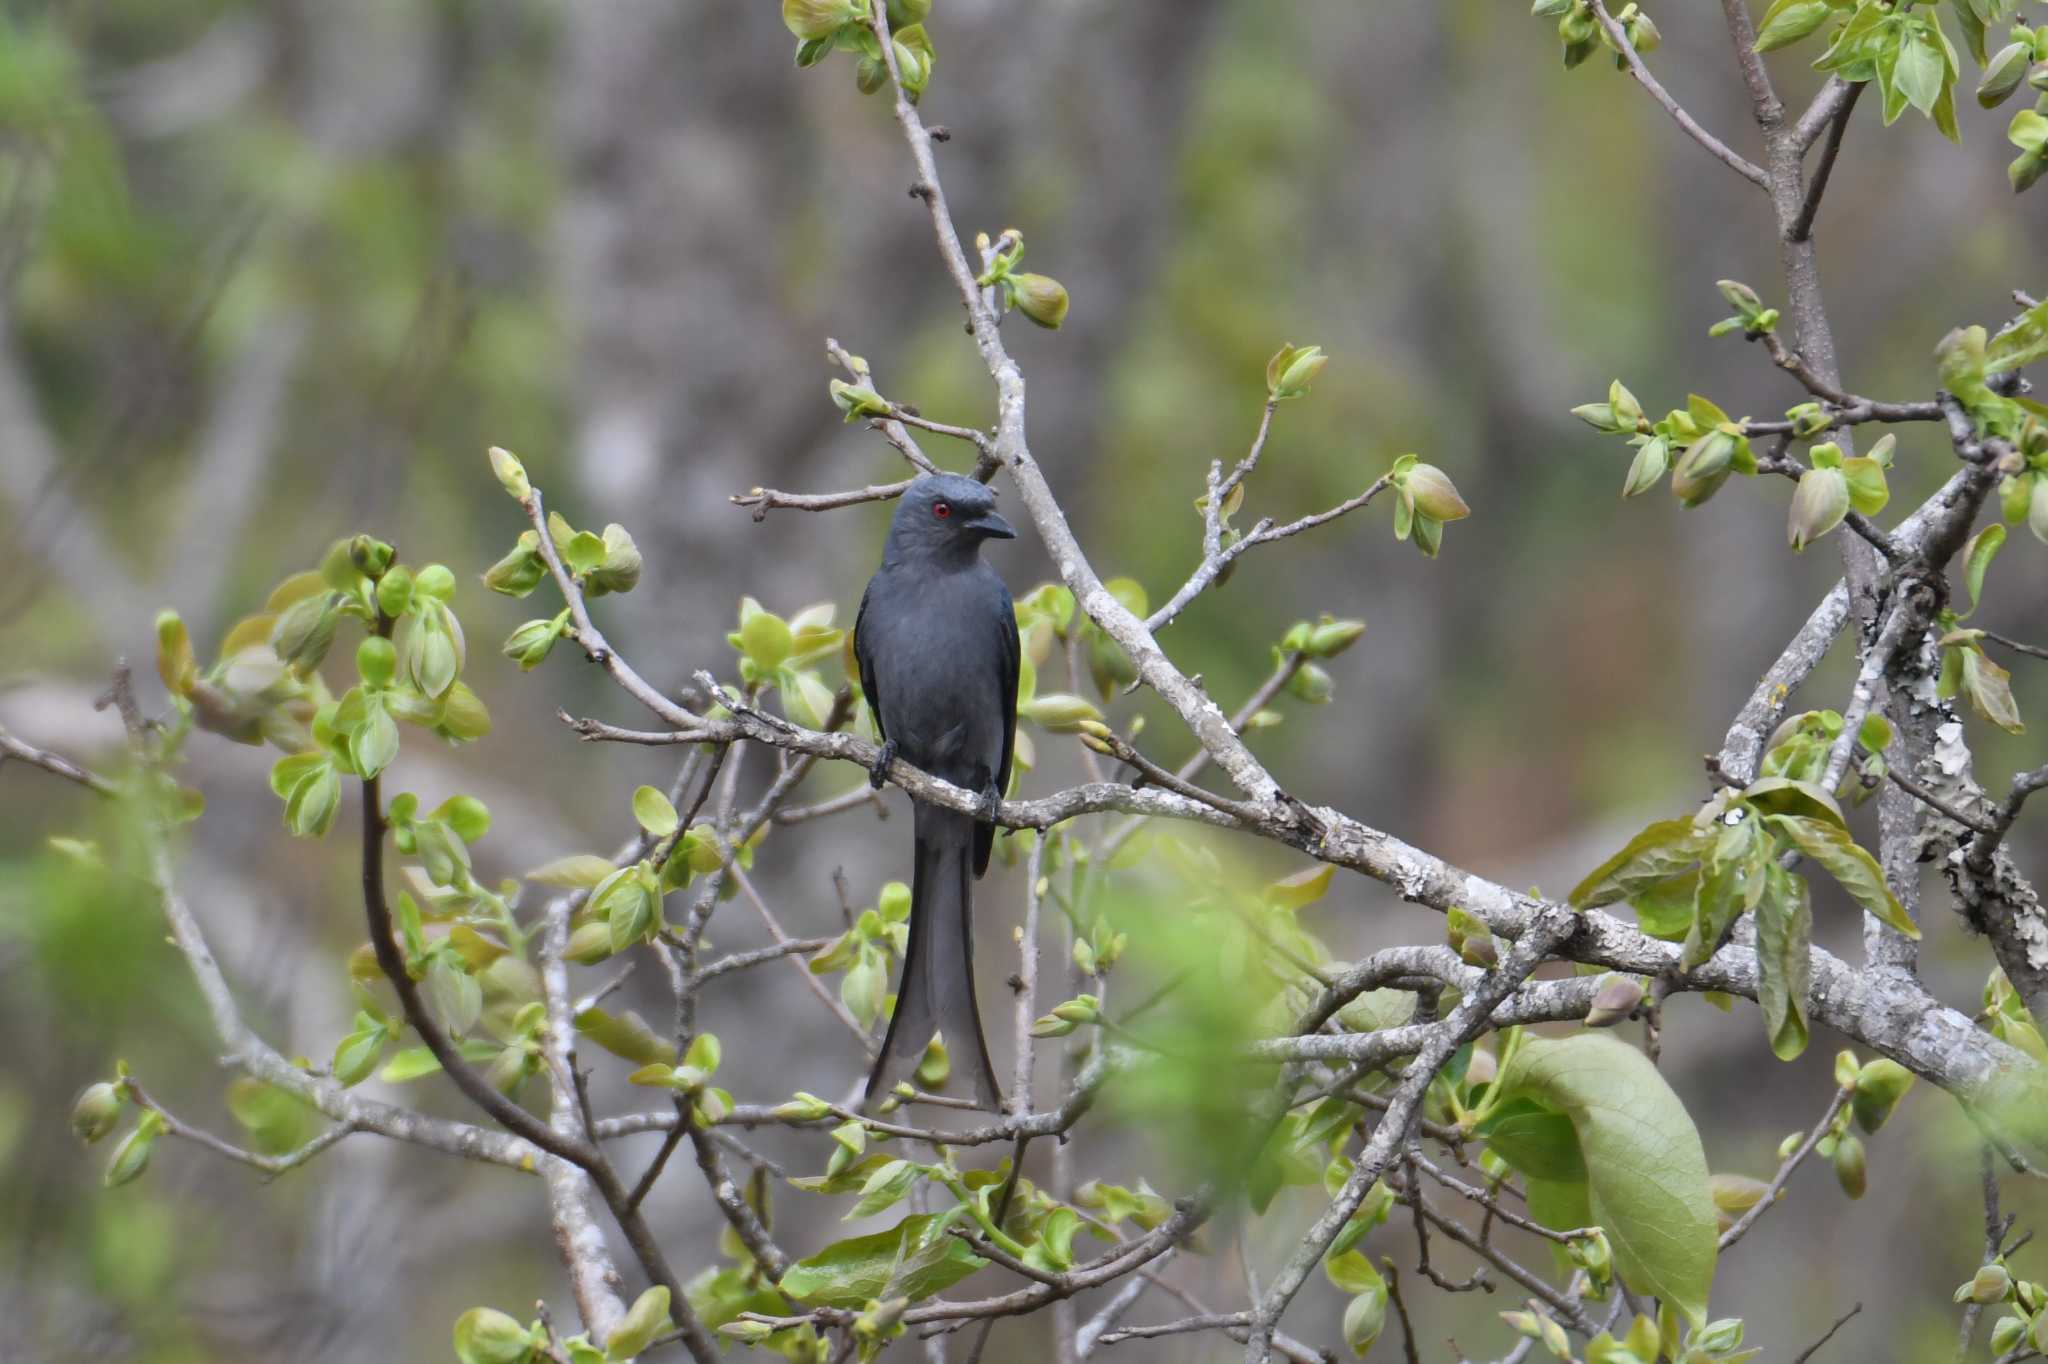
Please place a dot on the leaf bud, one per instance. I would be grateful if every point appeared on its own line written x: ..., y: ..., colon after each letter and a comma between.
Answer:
x: 1879, y: 1087
x: 1041, y: 298
x: 97, y: 1110
x: 1614, y: 1001
x: 1818, y: 506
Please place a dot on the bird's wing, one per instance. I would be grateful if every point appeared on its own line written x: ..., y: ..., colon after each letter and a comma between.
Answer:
x: 867, y: 669
x: 1009, y: 653
x: 1009, y: 659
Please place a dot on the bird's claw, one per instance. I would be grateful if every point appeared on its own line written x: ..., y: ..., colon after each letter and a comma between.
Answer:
x: 879, y: 773
x: 991, y: 804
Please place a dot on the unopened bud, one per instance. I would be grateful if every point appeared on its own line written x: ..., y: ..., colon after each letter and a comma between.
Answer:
x: 809, y: 19
x: 1852, y: 1170
x: 590, y: 944
x: 1435, y: 495
x: 530, y: 643
x: 1808, y: 419
x: 1817, y: 507
x: 2007, y: 1334
x: 745, y: 1331
x: 1479, y: 951
x: 131, y: 1157
x: 1740, y: 296
x: 2003, y: 74
x: 1990, y: 1285
x: 1292, y: 369
x: 1041, y: 298
x: 1062, y: 712
x: 1080, y: 1009
x: 376, y: 661
x: 1847, y: 1068
x: 97, y: 1110
x: 511, y: 473
x: 1333, y: 637
x: 1703, y: 468
x: 1653, y: 459
x: 1614, y: 1001
x: 304, y: 632
x: 520, y: 571
x: 1879, y: 1087
x: 370, y: 555
x: 1733, y: 1196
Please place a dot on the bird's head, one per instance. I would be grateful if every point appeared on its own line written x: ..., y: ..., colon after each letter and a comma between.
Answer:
x: 946, y: 515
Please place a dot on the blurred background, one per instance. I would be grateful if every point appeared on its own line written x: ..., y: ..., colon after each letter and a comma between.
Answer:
x: 278, y: 272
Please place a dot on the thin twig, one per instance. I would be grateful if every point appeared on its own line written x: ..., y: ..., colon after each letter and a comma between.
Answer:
x: 1718, y: 149
x: 1741, y: 1226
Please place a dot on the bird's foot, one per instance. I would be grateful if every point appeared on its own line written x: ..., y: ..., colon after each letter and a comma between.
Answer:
x: 991, y: 804
x: 879, y: 773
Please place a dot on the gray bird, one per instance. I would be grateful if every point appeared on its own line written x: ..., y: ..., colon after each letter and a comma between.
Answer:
x: 937, y: 643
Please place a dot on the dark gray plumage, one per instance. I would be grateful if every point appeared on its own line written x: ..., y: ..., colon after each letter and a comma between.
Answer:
x: 937, y: 643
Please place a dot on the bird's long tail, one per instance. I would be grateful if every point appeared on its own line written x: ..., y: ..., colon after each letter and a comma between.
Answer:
x: 937, y: 990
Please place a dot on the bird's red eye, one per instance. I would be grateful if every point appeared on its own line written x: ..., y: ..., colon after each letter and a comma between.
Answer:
x: 942, y: 510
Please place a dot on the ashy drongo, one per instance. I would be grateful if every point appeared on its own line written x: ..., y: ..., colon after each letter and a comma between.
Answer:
x: 937, y: 643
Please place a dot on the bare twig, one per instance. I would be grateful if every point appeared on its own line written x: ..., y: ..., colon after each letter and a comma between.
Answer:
x: 1742, y: 1224
x: 1715, y: 147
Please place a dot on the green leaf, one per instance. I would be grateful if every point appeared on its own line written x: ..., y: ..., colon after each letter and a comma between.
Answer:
x: 625, y: 1035
x: 1839, y: 855
x: 1978, y: 554
x: 410, y: 1064
x: 1302, y: 889
x: 1788, y: 21
x: 1784, y: 938
x: 484, y: 1335
x: 654, y: 812
x: 885, y: 1187
x: 913, y: 1259
x: 584, y: 551
x: 644, y: 1320
x: 1785, y: 796
x: 1989, y: 688
x: 1868, y: 492
x: 1538, y: 1141
x: 2021, y: 343
x: 1919, y: 74
x: 1665, y: 909
x: 1646, y: 1174
x: 1657, y: 853
x: 577, y: 871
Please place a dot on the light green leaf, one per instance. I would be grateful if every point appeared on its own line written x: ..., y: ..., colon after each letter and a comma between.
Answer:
x: 1787, y: 21
x: 1302, y: 889
x: 2022, y: 343
x: 1978, y: 554
x: 1989, y: 688
x: 1919, y: 72
x: 1784, y: 938
x: 654, y: 812
x: 1538, y: 1141
x: 1646, y: 1174
x: 644, y: 1320
x: 885, y: 1187
x: 1841, y: 857
x: 625, y: 1035
x: 577, y: 871
x: 1656, y: 854
x: 410, y: 1064
x: 913, y: 1259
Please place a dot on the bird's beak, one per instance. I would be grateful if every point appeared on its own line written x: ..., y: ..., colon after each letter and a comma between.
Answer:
x: 993, y: 526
